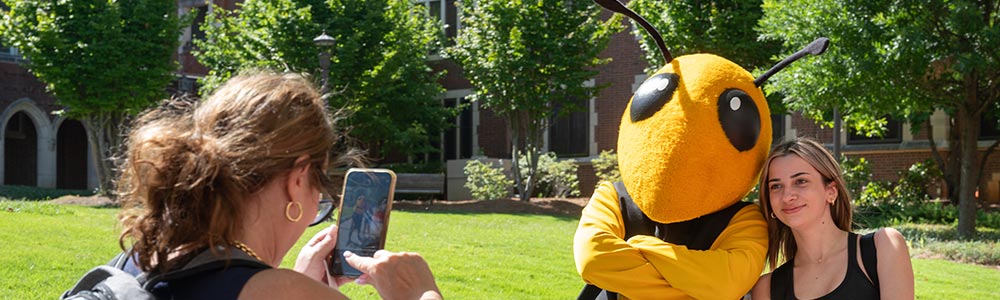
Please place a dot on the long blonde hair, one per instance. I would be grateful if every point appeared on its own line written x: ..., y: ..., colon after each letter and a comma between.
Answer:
x: 781, y: 240
x: 188, y: 168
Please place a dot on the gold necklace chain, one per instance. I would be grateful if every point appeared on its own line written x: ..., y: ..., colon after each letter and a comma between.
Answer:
x: 244, y: 248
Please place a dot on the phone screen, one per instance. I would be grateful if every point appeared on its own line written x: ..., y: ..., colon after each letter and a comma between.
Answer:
x: 363, y: 216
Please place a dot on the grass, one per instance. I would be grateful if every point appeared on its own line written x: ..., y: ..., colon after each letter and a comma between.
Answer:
x: 942, y: 241
x: 44, y: 248
x: 942, y: 279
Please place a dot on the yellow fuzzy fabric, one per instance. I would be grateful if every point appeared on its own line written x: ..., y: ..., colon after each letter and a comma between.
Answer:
x: 679, y: 164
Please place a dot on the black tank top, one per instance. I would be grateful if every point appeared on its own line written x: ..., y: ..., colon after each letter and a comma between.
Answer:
x: 855, y: 284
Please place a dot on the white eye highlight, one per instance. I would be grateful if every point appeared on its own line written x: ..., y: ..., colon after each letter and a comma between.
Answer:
x: 735, y: 103
x: 661, y: 83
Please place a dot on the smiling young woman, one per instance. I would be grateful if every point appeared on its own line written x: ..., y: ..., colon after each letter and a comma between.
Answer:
x: 808, y: 211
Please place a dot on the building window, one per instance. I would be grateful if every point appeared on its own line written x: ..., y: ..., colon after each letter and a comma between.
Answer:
x: 893, y: 134
x: 457, y: 141
x: 777, y: 128
x: 568, y: 132
x: 8, y: 53
x: 196, y: 32
x: 446, y: 11
x: 988, y: 127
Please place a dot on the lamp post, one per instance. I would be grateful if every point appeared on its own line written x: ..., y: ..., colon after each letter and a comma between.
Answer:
x: 325, y: 42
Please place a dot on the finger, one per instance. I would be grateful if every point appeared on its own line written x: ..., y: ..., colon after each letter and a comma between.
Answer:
x: 363, y: 279
x: 363, y: 264
x: 326, y: 244
x: 381, y: 253
x: 340, y: 281
x: 321, y: 235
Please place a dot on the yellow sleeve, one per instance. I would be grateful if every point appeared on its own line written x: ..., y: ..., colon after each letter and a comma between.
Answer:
x: 726, y: 271
x: 646, y: 268
x: 604, y: 259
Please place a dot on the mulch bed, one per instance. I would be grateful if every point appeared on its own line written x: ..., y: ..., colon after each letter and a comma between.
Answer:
x: 544, y: 206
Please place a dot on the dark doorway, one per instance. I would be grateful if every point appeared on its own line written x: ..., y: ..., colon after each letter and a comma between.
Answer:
x: 71, y: 156
x: 20, y: 151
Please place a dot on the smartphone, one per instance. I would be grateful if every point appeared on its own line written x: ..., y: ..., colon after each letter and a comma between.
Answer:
x: 363, y: 217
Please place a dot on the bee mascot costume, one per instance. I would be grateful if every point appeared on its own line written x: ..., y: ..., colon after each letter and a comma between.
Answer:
x: 691, y: 144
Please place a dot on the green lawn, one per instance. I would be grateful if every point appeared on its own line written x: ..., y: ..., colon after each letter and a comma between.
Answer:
x: 44, y: 248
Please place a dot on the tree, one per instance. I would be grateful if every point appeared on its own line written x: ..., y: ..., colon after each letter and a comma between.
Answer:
x: 526, y: 57
x: 900, y: 58
x: 724, y: 28
x: 102, y: 60
x: 378, y: 72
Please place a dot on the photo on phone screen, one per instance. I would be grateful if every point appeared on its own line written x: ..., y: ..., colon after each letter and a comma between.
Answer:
x: 363, y: 216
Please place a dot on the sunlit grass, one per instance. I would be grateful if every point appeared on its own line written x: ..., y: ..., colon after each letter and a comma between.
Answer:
x: 45, y: 248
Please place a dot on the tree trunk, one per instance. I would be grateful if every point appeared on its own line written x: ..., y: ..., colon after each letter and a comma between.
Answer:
x: 514, y: 127
x: 104, y: 139
x: 968, y: 120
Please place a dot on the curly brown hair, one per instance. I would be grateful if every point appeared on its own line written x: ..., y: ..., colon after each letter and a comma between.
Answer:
x: 188, y: 169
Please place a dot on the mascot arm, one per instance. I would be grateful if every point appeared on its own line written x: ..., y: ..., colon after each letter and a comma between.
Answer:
x: 727, y: 271
x: 604, y: 259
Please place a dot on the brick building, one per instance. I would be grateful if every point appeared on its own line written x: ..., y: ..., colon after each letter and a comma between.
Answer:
x: 46, y: 150
x: 41, y: 149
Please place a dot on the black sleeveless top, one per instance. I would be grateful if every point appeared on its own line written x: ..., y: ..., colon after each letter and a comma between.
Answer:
x: 855, y: 284
x: 220, y: 285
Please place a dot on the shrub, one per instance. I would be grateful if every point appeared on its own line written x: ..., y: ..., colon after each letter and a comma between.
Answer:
x: 882, y: 203
x: 857, y: 174
x: 556, y: 178
x: 487, y: 182
x: 606, y: 167
x: 913, y: 182
x: 17, y: 192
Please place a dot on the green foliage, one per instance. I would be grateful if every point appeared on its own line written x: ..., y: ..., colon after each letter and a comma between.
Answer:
x: 724, y: 28
x: 606, y: 167
x: 915, y: 181
x: 102, y: 60
x: 378, y: 71
x: 556, y: 178
x: 486, y: 182
x: 526, y: 58
x: 37, y: 193
x: 882, y: 203
x: 96, y: 56
x: 905, y: 59
x: 857, y: 174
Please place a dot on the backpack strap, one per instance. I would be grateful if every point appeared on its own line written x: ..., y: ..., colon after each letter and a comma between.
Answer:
x: 119, y: 261
x: 869, y: 257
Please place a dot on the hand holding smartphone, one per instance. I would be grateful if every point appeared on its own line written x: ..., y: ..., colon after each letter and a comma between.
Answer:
x: 363, y: 217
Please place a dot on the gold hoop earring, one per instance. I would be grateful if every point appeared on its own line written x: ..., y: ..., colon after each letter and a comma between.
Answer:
x: 772, y: 215
x: 288, y: 213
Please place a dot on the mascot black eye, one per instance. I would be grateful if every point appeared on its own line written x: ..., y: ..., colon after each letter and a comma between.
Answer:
x: 652, y: 95
x: 739, y: 118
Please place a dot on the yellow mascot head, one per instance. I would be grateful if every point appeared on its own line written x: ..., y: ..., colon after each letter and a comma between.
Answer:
x: 695, y: 134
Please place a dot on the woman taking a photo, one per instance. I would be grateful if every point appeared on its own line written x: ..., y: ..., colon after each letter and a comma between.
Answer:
x: 808, y: 212
x: 242, y: 172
